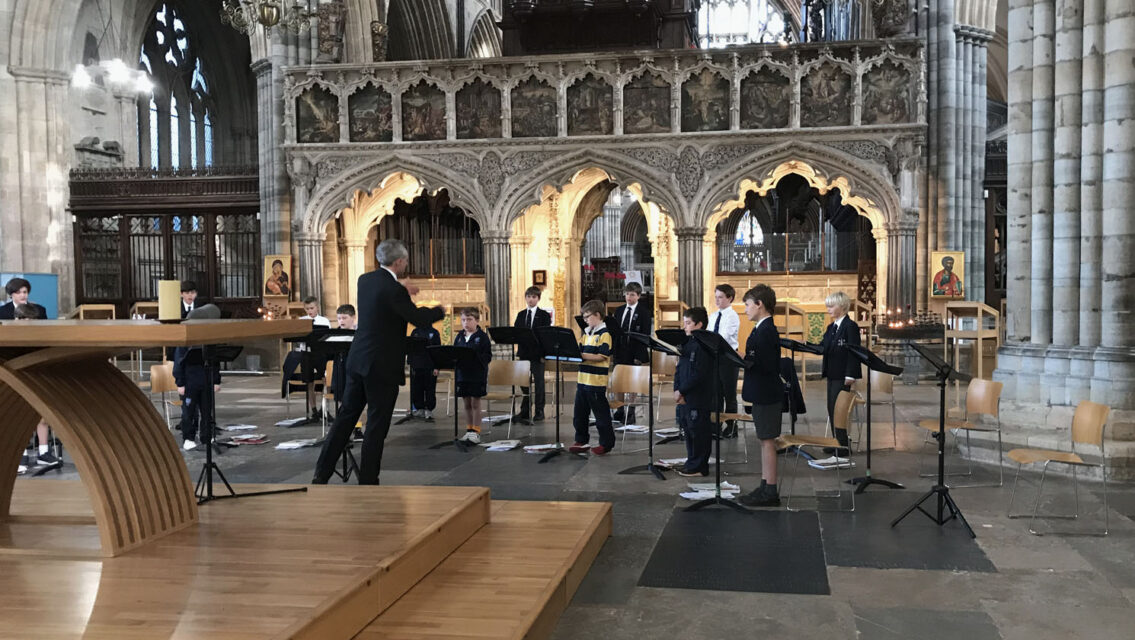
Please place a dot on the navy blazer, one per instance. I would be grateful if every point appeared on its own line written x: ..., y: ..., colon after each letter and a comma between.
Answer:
x: 189, y: 368
x: 421, y: 361
x: 694, y: 377
x: 542, y: 319
x: 479, y: 342
x: 627, y: 350
x: 838, y: 363
x: 8, y: 311
x: 385, y: 307
x: 762, y: 383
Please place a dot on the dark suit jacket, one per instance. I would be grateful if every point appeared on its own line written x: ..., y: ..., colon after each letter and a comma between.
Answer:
x: 542, y: 319
x: 189, y: 368
x: 421, y: 361
x: 385, y: 307
x: 627, y: 350
x: 197, y: 304
x: 694, y: 378
x: 838, y: 363
x: 762, y: 383
x: 8, y: 311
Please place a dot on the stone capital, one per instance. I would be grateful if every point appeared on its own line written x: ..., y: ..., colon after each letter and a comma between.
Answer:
x: 976, y: 35
x: 690, y: 233
x: 495, y: 236
x: 46, y: 76
x: 310, y: 238
x: 261, y: 66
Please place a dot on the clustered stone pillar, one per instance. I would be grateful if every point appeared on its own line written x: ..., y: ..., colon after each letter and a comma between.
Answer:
x: 497, y: 275
x: 311, y: 264
x: 1071, y: 178
x: 967, y: 225
x: 691, y: 241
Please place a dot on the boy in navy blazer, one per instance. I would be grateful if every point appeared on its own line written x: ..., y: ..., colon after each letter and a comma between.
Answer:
x: 636, y: 318
x: 694, y: 380
x: 473, y: 378
x: 764, y: 389
x: 423, y: 375
x: 532, y: 317
x: 839, y: 367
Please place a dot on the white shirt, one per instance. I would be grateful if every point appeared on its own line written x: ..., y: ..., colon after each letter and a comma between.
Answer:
x: 392, y: 274
x: 315, y: 321
x: 187, y: 307
x: 730, y: 325
x: 759, y: 322
x: 836, y: 322
x: 530, y: 320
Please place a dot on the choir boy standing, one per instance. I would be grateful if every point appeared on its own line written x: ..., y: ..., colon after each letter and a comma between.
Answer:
x: 764, y: 389
x: 532, y: 317
x: 839, y: 367
x: 727, y: 323
x: 473, y: 378
x: 694, y: 382
x: 632, y: 317
x: 193, y: 386
x: 591, y: 390
x: 423, y: 375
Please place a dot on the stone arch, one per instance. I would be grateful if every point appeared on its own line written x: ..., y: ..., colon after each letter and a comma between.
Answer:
x: 484, y: 38
x: 420, y: 30
x: 981, y: 14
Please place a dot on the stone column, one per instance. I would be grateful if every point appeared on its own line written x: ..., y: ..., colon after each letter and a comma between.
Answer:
x: 1066, y: 175
x: 1091, y: 166
x: 691, y: 241
x: 519, y: 264
x: 497, y: 274
x: 273, y: 175
x: 1018, y: 293
x: 1044, y: 51
x: 900, y: 246
x: 311, y: 263
x: 967, y: 223
x: 355, y: 251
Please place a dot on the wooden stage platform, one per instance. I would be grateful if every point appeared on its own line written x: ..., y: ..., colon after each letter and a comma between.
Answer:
x: 335, y: 562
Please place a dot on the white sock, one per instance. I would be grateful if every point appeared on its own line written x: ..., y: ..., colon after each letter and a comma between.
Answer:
x: 43, y: 448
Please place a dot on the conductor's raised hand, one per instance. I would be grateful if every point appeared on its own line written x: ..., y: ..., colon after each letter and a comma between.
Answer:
x: 412, y: 288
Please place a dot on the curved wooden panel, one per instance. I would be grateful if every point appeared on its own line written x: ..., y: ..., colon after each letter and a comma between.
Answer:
x: 129, y: 461
x: 16, y: 429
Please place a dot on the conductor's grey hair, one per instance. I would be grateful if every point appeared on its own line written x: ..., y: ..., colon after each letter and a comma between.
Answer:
x: 390, y: 251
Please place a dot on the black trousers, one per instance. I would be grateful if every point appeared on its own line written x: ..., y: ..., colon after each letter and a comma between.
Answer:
x: 835, y: 385
x: 537, y: 403
x: 197, y: 409
x: 699, y: 437
x: 378, y: 398
x: 727, y: 374
x: 423, y: 389
x: 592, y: 400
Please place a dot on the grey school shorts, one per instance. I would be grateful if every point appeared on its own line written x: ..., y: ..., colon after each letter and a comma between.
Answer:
x: 766, y: 417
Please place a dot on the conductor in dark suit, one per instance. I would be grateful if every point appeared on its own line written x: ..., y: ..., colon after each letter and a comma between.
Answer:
x: 531, y: 318
x: 636, y: 318
x: 839, y: 367
x: 375, y: 364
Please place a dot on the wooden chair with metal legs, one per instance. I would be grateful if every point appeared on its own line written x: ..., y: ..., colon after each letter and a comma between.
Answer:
x: 842, y: 420
x: 446, y: 377
x: 983, y: 397
x: 665, y: 366
x: 882, y: 393
x: 161, y: 381
x: 629, y: 379
x: 327, y: 393
x: 1088, y: 425
x: 508, y: 373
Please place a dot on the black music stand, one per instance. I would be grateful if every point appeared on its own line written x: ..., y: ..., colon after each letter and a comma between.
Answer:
x: 715, y: 344
x: 796, y: 346
x: 308, y: 370
x: 333, y: 345
x: 414, y: 347
x: 675, y: 338
x: 559, y: 344
x: 451, y: 357
x: 521, y: 337
x: 213, y: 356
x: 873, y: 363
x: 945, y: 372
x: 661, y: 347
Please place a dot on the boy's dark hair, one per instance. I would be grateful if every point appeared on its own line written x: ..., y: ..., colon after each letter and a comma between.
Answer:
x: 188, y: 285
x: 346, y: 309
x: 310, y: 300
x: 27, y: 312
x: 764, y: 294
x: 533, y: 291
x: 633, y: 286
x: 15, y: 284
x: 728, y: 290
x: 698, y: 315
x: 593, y: 306
x: 472, y: 312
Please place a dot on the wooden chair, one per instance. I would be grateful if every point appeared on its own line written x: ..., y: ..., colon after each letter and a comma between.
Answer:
x: 1088, y: 425
x: 327, y: 393
x: 161, y: 381
x: 627, y: 378
x: 842, y: 420
x: 882, y: 393
x: 295, y: 384
x: 983, y: 397
x: 446, y: 376
x: 665, y: 366
x: 508, y: 373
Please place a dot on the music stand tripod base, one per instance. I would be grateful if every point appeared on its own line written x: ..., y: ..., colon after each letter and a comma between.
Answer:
x: 863, y: 482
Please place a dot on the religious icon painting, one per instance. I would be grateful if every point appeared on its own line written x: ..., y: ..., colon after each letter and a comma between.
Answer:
x: 949, y: 269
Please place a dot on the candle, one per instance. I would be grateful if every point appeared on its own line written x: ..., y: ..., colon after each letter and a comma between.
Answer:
x: 169, y: 300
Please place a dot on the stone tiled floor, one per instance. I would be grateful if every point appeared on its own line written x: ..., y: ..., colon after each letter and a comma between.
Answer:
x: 914, y: 581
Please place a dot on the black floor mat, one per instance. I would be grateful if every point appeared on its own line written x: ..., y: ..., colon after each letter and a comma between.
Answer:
x: 764, y: 551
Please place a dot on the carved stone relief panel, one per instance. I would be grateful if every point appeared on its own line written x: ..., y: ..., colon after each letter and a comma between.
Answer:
x: 765, y: 98
x: 478, y: 106
x: 317, y: 115
x: 825, y: 97
x: 646, y: 105
x: 886, y: 94
x: 369, y: 110
x: 705, y: 102
x: 533, y: 109
x: 423, y: 113
x: 590, y: 107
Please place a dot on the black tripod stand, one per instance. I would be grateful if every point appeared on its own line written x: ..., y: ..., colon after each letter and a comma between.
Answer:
x: 795, y: 346
x: 945, y: 502
x: 713, y: 343
x: 559, y: 344
x: 660, y: 347
x: 213, y: 356
x: 873, y: 363
x: 526, y: 340
x: 451, y: 357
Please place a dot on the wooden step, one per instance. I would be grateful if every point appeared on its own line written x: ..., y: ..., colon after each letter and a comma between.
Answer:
x: 512, y: 579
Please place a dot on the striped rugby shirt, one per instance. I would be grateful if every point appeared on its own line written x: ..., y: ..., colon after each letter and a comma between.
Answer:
x: 593, y: 373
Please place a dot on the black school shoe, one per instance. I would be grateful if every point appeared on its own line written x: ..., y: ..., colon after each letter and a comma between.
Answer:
x: 761, y: 497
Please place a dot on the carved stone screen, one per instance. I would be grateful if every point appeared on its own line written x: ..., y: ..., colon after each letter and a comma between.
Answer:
x: 705, y: 102
x: 646, y: 105
x: 317, y: 115
x: 590, y: 107
x: 423, y: 113
x: 533, y: 109
x: 478, y: 107
x: 370, y: 115
x: 826, y: 97
x: 765, y: 99
x: 886, y: 94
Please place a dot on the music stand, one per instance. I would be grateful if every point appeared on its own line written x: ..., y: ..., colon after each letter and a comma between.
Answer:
x: 716, y: 344
x: 559, y: 344
x: 945, y: 373
x: 802, y: 347
x: 524, y: 338
x: 417, y: 346
x: 213, y: 355
x: 333, y: 345
x: 451, y: 357
x: 661, y: 347
x: 873, y: 363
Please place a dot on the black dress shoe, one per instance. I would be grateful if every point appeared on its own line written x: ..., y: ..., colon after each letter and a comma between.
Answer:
x: 842, y: 452
x: 539, y: 416
x: 318, y: 480
x: 760, y: 498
